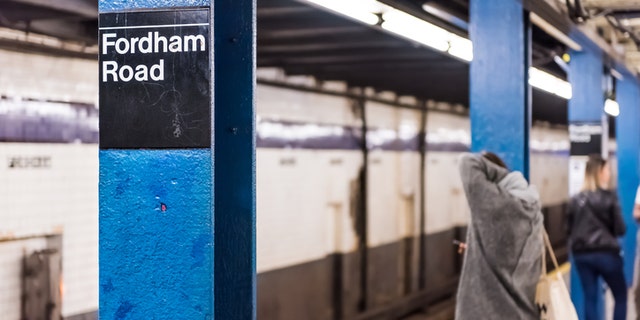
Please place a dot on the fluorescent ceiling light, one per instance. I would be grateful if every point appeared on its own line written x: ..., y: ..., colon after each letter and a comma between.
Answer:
x: 361, y: 10
x: 408, y: 26
x: 612, y: 107
x: 461, y: 48
x: 550, y: 83
x: 423, y: 32
x: 444, y: 15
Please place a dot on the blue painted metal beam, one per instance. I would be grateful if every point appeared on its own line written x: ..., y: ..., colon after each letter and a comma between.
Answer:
x: 500, y: 95
x: 234, y: 148
x: 586, y: 77
x: 586, y: 106
x: 628, y: 153
x: 158, y: 206
x: 156, y: 234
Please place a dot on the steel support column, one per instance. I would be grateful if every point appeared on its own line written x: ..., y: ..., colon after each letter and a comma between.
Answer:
x: 500, y: 103
x: 167, y: 198
x: 628, y: 150
x: 585, y: 108
x: 235, y: 158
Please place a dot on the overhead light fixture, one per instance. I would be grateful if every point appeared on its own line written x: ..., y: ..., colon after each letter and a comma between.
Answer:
x: 408, y: 26
x: 444, y: 15
x: 550, y: 83
x: 428, y: 34
x: 611, y: 107
x: 361, y: 10
x: 461, y: 48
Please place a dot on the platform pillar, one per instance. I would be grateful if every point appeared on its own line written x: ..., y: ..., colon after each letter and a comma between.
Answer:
x: 628, y: 153
x: 177, y: 154
x: 587, y: 133
x: 500, y: 99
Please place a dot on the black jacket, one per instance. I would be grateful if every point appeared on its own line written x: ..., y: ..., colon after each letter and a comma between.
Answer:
x: 595, y: 222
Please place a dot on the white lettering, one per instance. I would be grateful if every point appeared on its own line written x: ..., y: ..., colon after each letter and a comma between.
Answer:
x: 106, y: 43
x: 175, y: 44
x: 106, y: 71
x: 153, y: 42
x: 157, y: 71
x: 133, y: 44
x: 159, y: 39
x: 119, y: 45
x: 194, y: 40
x: 146, y: 40
x: 126, y: 73
x: 142, y: 73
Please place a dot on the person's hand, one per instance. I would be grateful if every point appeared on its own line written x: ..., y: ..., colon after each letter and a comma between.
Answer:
x: 636, y: 212
x: 462, y: 247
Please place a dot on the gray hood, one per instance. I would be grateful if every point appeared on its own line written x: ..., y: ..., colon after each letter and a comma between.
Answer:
x: 517, y: 185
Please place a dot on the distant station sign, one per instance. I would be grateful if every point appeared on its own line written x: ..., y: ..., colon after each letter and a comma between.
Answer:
x: 586, y: 138
x: 155, y: 79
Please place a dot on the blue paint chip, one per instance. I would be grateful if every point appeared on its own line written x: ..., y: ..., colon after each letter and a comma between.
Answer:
x: 198, y: 251
x: 107, y: 286
x: 123, y: 310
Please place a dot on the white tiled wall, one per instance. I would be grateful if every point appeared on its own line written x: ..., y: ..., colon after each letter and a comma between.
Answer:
x: 296, y: 106
x: 549, y: 172
x: 303, y: 203
x: 394, y: 178
x: 301, y: 206
x: 62, y: 198
x: 446, y: 203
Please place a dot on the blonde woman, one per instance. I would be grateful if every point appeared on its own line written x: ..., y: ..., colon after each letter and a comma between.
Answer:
x: 595, y: 223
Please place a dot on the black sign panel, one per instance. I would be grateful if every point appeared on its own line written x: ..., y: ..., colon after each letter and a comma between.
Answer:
x: 586, y: 138
x: 155, y: 80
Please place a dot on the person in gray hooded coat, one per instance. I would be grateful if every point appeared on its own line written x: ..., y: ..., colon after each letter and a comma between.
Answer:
x: 502, y: 262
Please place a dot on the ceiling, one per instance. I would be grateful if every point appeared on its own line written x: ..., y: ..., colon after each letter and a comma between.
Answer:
x: 617, y: 21
x: 57, y: 27
x: 305, y: 40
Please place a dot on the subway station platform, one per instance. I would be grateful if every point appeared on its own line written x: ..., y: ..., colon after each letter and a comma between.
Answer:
x: 293, y: 159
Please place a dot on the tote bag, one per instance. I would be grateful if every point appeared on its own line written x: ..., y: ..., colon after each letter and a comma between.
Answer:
x: 552, y: 297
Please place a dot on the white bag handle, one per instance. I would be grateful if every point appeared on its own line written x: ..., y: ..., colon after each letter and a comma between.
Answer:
x: 549, y: 248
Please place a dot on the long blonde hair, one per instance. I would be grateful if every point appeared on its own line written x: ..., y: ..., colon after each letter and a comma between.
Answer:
x: 592, y: 174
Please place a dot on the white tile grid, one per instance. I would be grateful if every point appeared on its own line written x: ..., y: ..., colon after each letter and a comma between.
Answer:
x: 383, y: 199
x: 295, y: 106
x: 61, y: 198
x: 549, y: 174
x: 295, y: 221
x: 394, y: 178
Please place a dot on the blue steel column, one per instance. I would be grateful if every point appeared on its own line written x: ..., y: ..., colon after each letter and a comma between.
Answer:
x: 158, y: 207
x: 586, y: 106
x: 500, y: 108
x: 628, y: 144
x: 235, y: 207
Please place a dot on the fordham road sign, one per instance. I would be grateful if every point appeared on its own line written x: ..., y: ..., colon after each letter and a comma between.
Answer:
x: 155, y: 88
